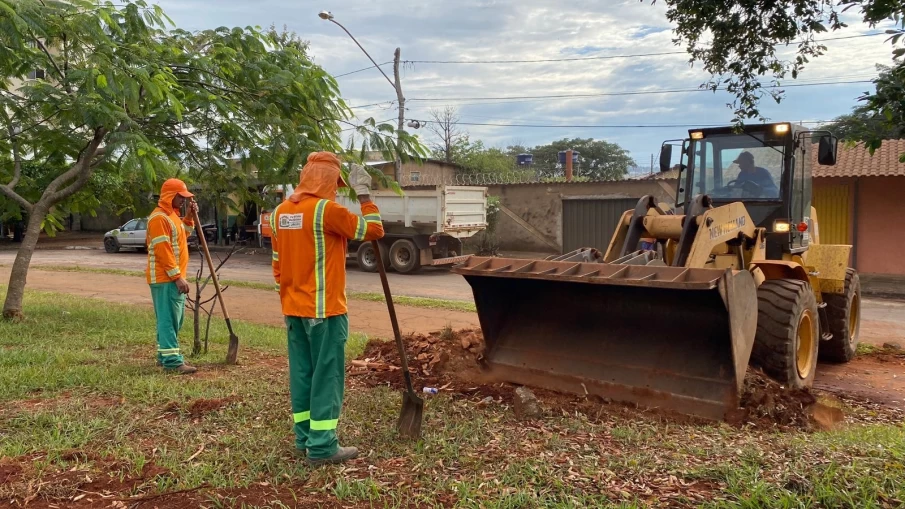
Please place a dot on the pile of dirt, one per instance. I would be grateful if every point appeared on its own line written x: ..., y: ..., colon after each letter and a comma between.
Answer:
x: 198, y: 407
x: 449, y: 361
x: 766, y: 404
x: 453, y: 362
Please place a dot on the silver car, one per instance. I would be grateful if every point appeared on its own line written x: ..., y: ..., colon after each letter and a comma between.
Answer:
x: 134, y: 233
x: 130, y: 235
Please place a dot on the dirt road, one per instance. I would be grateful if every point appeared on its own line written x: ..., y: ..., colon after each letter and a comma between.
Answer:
x: 251, y: 305
x: 433, y: 283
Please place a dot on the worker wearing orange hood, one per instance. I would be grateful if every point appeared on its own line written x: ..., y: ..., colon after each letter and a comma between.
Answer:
x: 168, y: 262
x: 310, y: 232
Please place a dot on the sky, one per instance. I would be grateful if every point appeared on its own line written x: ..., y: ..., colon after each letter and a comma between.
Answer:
x: 482, y: 30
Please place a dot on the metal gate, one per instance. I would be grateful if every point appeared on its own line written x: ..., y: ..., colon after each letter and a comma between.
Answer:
x: 591, y: 222
x: 833, y: 214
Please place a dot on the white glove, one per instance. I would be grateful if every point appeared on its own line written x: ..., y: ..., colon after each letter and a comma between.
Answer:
x: 360, y: 180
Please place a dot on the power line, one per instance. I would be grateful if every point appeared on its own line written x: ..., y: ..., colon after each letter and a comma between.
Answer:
x: 360, y: 70
x: 612, y: 126
x: 608, y: 94
x: 604, y: 57
x: 371, y: 105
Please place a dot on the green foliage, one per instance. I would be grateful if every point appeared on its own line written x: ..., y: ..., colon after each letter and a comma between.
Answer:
x: 600, y: 160
x: 887, y: 104
x: 739, y: 43
x: 166, y: 102
x: 476, y: 158
x: 861, y: 124
x: 489, y: 244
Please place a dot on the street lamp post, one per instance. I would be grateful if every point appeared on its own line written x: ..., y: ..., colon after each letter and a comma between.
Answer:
x: 397, y: 86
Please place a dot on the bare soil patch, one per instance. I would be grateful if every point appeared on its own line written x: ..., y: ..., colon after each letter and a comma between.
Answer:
x: 453, y: 362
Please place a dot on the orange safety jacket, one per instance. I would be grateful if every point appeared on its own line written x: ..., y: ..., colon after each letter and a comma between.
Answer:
x: 166, y: 240
x: 309, y: 253
x: 309, y: 235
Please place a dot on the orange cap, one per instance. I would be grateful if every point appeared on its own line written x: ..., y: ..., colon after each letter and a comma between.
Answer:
x: 175, y: 186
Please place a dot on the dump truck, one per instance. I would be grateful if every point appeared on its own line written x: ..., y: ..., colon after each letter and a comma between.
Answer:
x: 424, y: 227
x: 737, y: 276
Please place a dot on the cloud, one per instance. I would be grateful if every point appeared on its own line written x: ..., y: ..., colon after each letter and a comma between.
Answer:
x: 482, y: 30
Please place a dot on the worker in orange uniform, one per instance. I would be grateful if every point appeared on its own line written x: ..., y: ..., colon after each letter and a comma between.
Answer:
x: 168, y: 261
x: 310, y: 232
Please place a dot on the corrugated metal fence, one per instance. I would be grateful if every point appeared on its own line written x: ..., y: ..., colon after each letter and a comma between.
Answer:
x: 591, y: 222
x: 833, y: 213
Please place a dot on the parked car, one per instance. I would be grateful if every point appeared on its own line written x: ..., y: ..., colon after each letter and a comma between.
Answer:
x: 133, y: 235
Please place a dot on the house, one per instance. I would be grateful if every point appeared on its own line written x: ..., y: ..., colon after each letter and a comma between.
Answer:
x: 858, y: 203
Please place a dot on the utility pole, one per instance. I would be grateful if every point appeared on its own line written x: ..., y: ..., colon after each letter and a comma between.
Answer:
x: 401, y: 100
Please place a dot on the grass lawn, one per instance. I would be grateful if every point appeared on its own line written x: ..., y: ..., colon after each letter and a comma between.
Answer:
x: 86, y: 419
x: 401, y: 300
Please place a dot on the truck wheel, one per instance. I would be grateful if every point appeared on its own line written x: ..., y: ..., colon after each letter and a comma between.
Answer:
x: 785, y: 345
x: 843, y: 313
x: 111, y: 245
x: 367, y: 258
x: 404, y: 256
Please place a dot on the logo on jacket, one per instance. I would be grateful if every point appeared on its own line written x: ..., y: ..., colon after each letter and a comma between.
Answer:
x: 291, y: 221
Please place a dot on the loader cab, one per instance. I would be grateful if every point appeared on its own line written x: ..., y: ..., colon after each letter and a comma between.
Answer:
x: 767, y: 167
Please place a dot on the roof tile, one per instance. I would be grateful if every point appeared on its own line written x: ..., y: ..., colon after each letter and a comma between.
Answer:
x: 857, y: 161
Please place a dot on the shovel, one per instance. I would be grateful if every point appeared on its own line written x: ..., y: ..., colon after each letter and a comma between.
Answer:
x: 233, y: 351
x: 412, y: 406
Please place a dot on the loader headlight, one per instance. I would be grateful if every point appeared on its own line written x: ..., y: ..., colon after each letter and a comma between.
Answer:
x: 697, y: 135
x: 781, y: 226
x: 781, y: 128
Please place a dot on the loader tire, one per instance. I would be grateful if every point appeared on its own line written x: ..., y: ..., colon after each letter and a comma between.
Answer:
x: 785, y: 345
x: 843, y: 313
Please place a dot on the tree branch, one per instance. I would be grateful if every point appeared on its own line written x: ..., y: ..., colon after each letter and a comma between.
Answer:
x: 53, y: 63
x: 16, y: 198
x: 79, y: 173
x: 17, y: 161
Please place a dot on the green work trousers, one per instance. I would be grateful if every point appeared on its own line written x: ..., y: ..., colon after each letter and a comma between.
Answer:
x: 316, y: 380
x: 169, y: 308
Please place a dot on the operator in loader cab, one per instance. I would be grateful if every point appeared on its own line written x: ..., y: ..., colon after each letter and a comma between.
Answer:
x: 751, y: 173
x: 310, y: 232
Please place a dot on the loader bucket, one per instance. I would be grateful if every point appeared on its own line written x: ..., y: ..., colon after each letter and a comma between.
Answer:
x: 667, y: 337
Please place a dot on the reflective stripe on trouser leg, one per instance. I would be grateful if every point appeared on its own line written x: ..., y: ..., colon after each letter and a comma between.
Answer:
x: 328, y: 344
x: 169, y: 308
x: 301, y: 369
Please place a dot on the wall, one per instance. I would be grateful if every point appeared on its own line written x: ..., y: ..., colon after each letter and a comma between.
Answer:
x: 104, y: 221
x: 878, y: 235
x: 540, y: 205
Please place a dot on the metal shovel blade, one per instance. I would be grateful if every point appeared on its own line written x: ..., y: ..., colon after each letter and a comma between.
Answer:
x: 410, y: 416
x: 232, y: 352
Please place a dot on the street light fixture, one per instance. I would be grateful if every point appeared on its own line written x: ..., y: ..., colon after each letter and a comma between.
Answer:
x: 328, y: 16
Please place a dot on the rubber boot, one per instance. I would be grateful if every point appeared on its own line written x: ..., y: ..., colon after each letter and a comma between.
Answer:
x: 184, y: 369
x: 342, y: 455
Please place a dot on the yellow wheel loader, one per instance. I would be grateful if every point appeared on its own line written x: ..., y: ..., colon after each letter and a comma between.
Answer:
x: 735, y: 274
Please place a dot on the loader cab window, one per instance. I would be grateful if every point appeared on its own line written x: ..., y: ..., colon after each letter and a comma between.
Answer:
x: 737, y: 166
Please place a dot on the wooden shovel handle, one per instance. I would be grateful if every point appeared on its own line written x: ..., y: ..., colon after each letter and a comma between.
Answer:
x: 210, y: 263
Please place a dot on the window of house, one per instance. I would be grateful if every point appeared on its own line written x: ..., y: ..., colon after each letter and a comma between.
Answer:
x: 37, y: 74
x: 415, y: 176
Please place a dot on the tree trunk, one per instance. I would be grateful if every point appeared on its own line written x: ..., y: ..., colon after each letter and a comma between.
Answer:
x: 15, y: 292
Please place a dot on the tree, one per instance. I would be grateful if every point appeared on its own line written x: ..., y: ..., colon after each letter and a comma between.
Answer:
x: 737, y: 40
x: 861, y: 124
x: 600, y: 160
x: 444, y: 125
x: 476, y: 158
x: 124, y: 94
